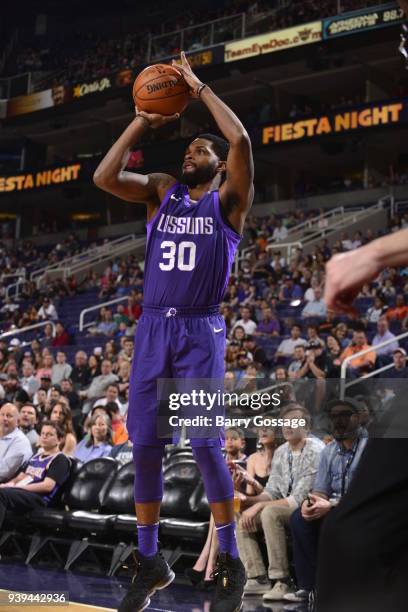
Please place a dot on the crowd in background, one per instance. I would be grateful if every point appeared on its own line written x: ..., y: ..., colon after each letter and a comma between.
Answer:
x: 88, y: 56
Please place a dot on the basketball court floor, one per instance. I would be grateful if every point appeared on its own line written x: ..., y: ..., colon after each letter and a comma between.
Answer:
x: 88, y: 592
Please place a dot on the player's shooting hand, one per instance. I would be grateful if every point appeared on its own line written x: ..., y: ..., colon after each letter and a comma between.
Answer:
x: 346, y: 273
x: 190, y: 78
x: 155, y: 120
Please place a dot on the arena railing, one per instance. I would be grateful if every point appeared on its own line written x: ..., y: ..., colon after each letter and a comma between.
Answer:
x: 16, y: 286
x: 86, y: 259
x: 344, y: 385
x: 212, y: 35
x: 85, y: 311
x: 22, y: 330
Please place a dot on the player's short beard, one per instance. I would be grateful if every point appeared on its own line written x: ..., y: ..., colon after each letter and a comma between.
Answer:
x: 200, y: 176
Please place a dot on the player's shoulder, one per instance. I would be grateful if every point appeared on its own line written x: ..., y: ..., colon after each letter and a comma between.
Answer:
x: 161, y: 182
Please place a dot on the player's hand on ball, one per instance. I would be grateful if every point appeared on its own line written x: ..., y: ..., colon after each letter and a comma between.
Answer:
x: 155, y: 120
x: 190, y: 78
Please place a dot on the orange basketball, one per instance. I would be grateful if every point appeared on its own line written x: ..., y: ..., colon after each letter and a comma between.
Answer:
x: 160, y: 89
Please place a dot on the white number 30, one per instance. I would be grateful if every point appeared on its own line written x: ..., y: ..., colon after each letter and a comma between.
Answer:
x: 170, y: 255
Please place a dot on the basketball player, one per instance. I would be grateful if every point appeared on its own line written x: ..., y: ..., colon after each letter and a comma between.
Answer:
x: 193, y: 230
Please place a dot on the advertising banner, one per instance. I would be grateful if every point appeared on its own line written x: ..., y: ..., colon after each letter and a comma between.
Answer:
x: 42, y: 178
x: 281, y: 40
x: 363, y: 20
x: 366, y: 116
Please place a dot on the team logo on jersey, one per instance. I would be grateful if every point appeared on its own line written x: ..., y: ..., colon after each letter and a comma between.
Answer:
x: 185, y: 225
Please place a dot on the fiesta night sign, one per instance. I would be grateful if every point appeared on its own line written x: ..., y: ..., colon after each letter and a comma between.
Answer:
x: 370, y: 116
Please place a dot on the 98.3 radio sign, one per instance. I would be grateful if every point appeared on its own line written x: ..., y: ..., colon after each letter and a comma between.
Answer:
x: 363, y: 20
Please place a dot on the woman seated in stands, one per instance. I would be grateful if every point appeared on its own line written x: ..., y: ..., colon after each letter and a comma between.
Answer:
x: 98, y: 443
x: 201, y: 573
x: 61, y: 414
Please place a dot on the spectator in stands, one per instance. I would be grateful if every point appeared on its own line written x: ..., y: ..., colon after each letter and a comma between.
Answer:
x: 257, y: 352
x: 47, y: 312
x: 45, y: 368
x: 61, y: 369
x: 40, y: 400
x: 28, y: 381
x: 107, y: 325
x: 400, y: 369
x: 13, y: 392
x: 98, y: 385
x: 331, y: 483
x: 315, y: 307
x: 48, y: 338
x: 28, y: 421
x: 44, y: 474
x: 313, y: 334
x: 246, y: 322
x: 67, y: 391
x: 127, y: 345
x: 294, y: 466
x: 290, y: 290
x: 119, y: 431
x: 400, y: 311
x: 61, y: 414
x: 124, y: 378
x: 98, y: 443
x: 80, y: 375
x: 383, y: 335
x: 287, y: 346
x: 375, y: 311
x: 94, y: 366
x: 111, y: 395
x: 341, y: 334
x: 15, y: 448
x: 120, y: 316
x: 333, y: 356
x: 316, y: 363
x: 62, y: 337
x: 280, y: 233
x: 123, y: 453
x: 297, y: 363
x: 361, y: 364
x: 269, y: 324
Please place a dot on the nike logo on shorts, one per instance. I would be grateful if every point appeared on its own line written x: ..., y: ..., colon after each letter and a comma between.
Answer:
x: 217, y: 331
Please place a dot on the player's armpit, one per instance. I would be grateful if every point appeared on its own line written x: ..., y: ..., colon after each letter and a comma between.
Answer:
x: 237, y: 192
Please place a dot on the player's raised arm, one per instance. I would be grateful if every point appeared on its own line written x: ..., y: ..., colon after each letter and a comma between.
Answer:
x: 237, y: 192
x: 111, y: 176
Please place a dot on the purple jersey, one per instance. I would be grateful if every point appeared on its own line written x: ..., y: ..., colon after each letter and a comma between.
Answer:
x: 37, y: 469
x: 189, y: 251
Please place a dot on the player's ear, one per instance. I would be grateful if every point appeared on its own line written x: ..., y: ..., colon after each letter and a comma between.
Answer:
x: 222, y: 166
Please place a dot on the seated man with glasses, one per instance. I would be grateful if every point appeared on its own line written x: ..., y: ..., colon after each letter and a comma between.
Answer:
x: 338, y: 462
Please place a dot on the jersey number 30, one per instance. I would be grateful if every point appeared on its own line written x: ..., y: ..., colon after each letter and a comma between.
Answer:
x: 182, y: 255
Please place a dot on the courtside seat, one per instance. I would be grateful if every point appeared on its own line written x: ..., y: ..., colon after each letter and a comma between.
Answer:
x: 87, y: 493
x: 177, y: 517
x: 119, y: 499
